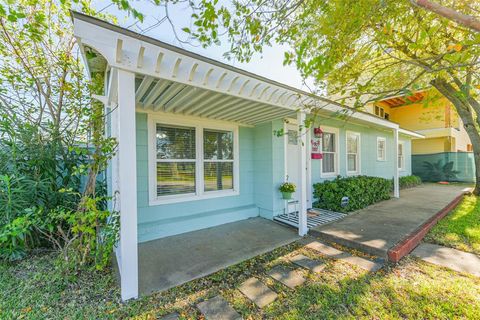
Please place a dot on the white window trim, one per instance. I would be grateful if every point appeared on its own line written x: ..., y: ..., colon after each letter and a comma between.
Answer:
x: 402, y: 143
x: 199, y: 125
x: 359, y: 152
x: 385, y: 153
x: 335, y: 131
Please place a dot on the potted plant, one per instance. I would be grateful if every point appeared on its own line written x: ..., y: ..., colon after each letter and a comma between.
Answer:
x: 287, y: 189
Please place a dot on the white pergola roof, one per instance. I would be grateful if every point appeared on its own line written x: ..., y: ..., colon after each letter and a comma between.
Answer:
x: 174, y: 80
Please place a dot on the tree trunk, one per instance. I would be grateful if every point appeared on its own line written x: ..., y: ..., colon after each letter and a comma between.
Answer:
x: 465, y: 111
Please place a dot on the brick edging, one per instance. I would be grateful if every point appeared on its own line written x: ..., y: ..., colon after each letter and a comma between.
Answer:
x: 405, y: 246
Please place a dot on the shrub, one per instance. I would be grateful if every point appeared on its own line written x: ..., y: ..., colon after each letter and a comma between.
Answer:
x: 409, y: 181
x: 362, y: 191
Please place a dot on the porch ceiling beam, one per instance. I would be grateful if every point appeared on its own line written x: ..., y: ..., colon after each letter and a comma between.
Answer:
x: 202, y: 104
x: 142, y: 89
x: 213, y: 105
x: 251, y: 113
x: 259, y: 117
x: 224, y: 110
x: 242, y: 107
x: 260, y: 112
x: 232, y: 84
x: 155, y: 92
x: 166, y: 96
x: 176, y: 103
x: 180, y: 107
x: 271, y: 117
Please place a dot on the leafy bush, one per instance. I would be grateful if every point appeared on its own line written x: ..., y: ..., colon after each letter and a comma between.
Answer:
x: 362, y: 191
x: 409, y: 181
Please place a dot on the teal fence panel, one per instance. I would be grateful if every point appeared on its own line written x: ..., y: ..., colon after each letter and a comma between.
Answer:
x: 444, y: 166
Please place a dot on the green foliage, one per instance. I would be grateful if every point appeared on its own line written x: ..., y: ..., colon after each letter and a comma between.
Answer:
x: 437, y: 171
x: 287, y: 187
x: 53, y: 146
x: 461, y: 228
x: 409, y: 181
x: 362, y: 191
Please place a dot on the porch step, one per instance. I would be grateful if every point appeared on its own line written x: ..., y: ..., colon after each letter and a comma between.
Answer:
x: 218, y: 308
x: 322, y: 217
x: 258, y: 292
x: 334, y: 253
x: 290, y: 278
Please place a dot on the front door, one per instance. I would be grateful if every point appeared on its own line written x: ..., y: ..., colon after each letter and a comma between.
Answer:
x: 292, y: 156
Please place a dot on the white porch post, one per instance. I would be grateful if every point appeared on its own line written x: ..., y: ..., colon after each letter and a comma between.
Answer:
x: 302, y: 188
x: 396, y: 185
x: 127, y: 175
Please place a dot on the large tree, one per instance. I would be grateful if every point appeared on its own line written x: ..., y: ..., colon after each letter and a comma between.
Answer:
x: 364, y: 50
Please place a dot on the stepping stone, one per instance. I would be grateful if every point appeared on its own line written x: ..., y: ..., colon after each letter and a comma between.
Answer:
x: 363, y: 263
x: 290, y: 278
x: 450, y: 258
x: 307, y: 263
x: 331, y: 252
x: 218, y: 308
x: 327, y: 250
x: 257, y: 292
x: 170, y: 316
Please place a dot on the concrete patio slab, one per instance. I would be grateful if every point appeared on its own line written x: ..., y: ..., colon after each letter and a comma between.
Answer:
x: 258, y: 292
x: 378, y: 228
x: 307, y: 263
x: 218, y: 308
x: 450, y: 258
x: 172, y: 261
x: 290, y: 278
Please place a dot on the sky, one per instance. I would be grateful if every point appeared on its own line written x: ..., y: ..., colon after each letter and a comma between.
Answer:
x: 268, y: 64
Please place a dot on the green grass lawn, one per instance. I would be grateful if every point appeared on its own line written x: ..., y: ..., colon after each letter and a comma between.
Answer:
x: 38, y: 288
x: 460, y: 229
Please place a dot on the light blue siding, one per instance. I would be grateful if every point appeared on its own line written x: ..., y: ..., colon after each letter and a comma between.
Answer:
x: 169, y: 219
x: 369, y: 165
x: 261, y: 166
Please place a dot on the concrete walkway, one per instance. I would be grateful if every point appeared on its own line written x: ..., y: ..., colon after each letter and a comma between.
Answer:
x: 172, y: 261
x: 450, y: 258
x: 380, y: 227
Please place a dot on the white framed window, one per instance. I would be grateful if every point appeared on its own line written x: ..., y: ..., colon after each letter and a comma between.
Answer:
x: 353, y: 153
x: 379, y: 112
x: 401, y: 155
x: 191, y: 159
x: 381, y: 149
x: 329, y: 163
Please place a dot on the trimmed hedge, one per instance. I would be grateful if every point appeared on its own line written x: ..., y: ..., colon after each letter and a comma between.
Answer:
x: 409, y: 181
x: 362, y: 191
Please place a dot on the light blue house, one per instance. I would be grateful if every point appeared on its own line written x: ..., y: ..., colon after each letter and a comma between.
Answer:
x: 196, y: 143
